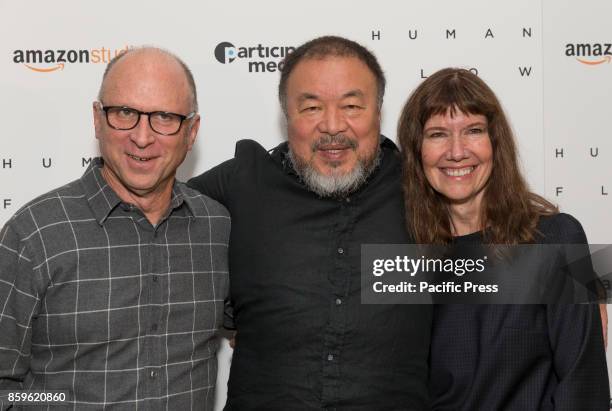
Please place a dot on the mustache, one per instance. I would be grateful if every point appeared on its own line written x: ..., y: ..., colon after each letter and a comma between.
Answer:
x: 340, y: 140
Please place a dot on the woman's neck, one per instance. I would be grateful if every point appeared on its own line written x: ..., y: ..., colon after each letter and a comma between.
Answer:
x: 465, y: 218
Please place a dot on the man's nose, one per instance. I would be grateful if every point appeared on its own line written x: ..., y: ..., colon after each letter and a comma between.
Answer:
x: 143, y: 135
x: 333, y: 122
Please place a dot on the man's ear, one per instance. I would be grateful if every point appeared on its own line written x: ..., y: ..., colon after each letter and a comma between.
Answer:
x: 193, y: 131
x: 97, y: 117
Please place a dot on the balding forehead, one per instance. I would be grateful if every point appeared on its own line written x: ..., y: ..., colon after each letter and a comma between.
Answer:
x: 144, y: 61
x: 136, y: 62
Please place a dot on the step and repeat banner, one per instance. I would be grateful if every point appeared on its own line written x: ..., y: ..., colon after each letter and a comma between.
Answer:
x: 549, y: 61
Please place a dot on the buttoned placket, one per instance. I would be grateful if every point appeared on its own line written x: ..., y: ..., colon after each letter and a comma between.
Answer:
x: 339, y: 281
x: 152, y: 298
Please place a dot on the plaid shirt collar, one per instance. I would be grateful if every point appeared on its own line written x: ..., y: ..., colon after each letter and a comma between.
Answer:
x: 103, y: 200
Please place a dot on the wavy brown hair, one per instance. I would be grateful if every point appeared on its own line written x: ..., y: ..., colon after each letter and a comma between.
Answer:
x: 510, y: 212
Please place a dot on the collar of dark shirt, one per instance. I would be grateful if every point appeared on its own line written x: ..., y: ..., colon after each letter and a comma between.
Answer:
x: 103, y: 200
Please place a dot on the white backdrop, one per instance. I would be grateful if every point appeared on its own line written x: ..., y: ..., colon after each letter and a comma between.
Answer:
x: 547, y: 60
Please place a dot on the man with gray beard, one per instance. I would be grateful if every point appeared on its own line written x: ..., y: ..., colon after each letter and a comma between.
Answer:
x: 334, y: 184
x: 300, y: 214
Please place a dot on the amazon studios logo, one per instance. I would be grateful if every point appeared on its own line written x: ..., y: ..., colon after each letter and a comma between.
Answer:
x: 591, y: 54
x: 261, y: 59
x: 49, y: 60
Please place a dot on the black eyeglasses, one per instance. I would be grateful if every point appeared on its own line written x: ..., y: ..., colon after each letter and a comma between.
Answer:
x: 162, y: 122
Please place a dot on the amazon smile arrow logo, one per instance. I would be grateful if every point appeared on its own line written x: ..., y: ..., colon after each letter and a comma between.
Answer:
x: 606, y: 59
x: 60, y: 66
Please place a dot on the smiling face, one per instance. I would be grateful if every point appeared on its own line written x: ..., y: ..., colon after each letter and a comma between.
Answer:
x: 457, y: 156
x: 333, y: 117
x: 140, y: 162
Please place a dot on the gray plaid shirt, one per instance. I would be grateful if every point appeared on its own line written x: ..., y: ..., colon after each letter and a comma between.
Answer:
x: 96, y: 301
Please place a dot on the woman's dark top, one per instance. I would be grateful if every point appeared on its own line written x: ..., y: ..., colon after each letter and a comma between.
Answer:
x: 520, y: 357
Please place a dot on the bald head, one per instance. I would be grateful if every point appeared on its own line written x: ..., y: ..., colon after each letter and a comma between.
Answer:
x: 143, y: 59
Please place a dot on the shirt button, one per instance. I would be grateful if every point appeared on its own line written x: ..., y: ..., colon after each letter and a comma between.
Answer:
x: 340, y: 250
x: 330, y: 357
x: 338, y: 301
x: 348, y: 199
x: 155, y: 278
x: 153, y: 374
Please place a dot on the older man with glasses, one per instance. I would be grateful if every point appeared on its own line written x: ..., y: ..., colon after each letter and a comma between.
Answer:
x: 112, y: 286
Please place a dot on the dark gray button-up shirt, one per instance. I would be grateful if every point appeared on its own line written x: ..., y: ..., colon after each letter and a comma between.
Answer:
x: 96, y: 301
x: 305, y: 341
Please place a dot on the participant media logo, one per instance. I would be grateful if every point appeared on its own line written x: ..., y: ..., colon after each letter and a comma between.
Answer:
x: 259, y: 59
x: 225, y: 52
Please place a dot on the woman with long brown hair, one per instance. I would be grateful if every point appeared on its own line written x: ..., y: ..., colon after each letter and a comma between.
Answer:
x: 462, y: 185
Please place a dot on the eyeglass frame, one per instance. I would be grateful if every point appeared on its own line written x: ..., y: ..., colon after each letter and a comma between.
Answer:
x: 148, y: 114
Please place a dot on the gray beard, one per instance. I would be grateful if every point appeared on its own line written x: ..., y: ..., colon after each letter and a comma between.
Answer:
x: 337, y: 184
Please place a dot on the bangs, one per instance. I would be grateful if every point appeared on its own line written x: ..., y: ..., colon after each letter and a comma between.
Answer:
x: 456, y: 96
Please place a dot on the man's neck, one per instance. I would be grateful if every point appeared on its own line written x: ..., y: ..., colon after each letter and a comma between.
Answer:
x: 153, y: 204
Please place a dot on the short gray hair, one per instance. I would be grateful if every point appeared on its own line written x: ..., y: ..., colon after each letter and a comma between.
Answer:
x: 330, y: 46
